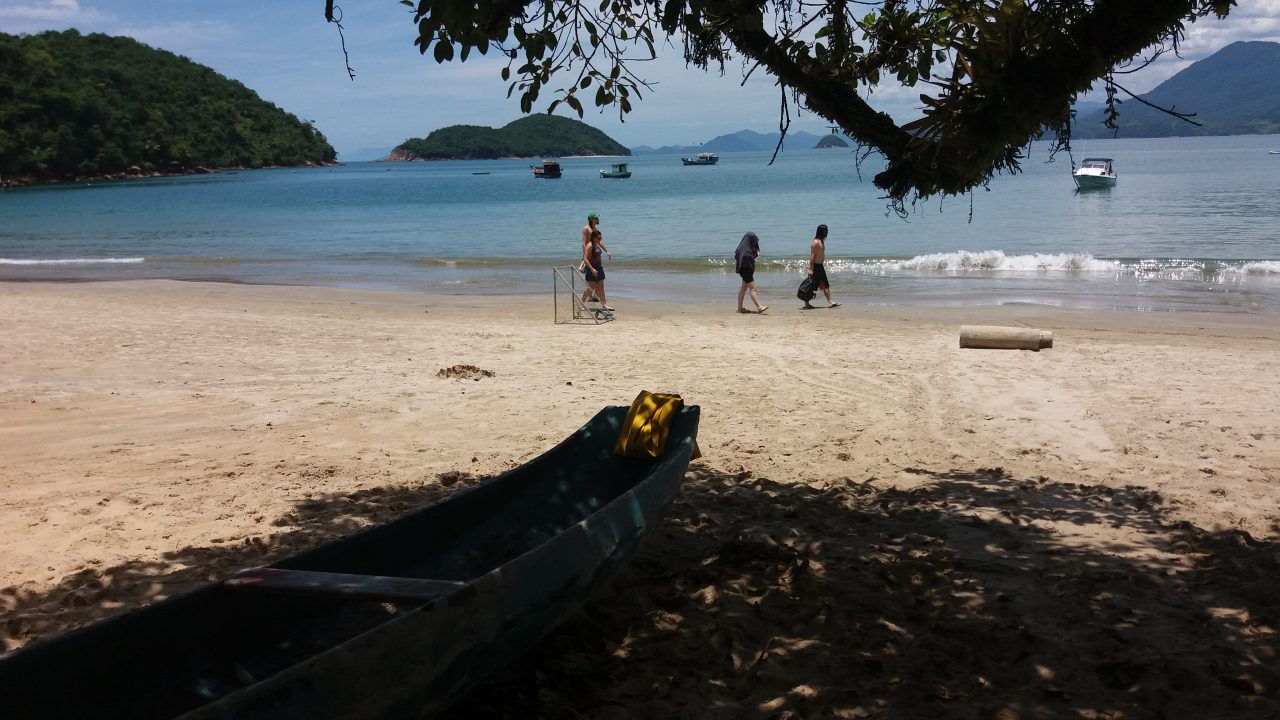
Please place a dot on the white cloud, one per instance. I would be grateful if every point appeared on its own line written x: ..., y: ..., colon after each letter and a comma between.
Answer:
x: 1257, y: 20
x: 38, y: 16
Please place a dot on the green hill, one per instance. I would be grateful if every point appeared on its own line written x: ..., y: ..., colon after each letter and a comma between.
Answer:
x: 1235, y: 91
x: 75, y: 105
x: 539, y: 135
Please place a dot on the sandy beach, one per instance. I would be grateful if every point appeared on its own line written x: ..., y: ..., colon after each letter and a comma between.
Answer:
x: 883, y: 525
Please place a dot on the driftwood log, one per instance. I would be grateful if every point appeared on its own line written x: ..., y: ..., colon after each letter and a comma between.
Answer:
x: 1004, y: 338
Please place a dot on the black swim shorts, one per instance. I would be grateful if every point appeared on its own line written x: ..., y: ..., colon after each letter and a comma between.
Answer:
x: 820, y: 276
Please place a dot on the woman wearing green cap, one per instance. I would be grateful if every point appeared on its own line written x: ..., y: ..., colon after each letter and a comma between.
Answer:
x: 592, y: 221
x: 592, y: 266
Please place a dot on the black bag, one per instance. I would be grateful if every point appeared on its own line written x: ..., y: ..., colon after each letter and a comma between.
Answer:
x: 808, y: 288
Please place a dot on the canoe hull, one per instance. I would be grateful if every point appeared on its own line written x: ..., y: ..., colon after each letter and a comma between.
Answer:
x: 546, y: 534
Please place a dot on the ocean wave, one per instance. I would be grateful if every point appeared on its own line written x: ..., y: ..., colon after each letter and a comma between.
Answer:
x: 997, y: 261
x: 1262, y: 267
x: 69, y: 261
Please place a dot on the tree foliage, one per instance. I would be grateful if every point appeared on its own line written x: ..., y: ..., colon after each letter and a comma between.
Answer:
x: 533, y: 136
x: 75, y: 105
x: 992, y: 74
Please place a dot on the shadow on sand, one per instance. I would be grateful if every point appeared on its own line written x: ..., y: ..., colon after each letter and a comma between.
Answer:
x: 970, y: 597
x: 95, y: 593
x: 977, y: 595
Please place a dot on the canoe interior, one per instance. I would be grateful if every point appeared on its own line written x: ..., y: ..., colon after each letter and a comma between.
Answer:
x: 537, y: 531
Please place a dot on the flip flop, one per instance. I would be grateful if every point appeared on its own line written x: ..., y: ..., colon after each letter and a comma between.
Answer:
x: 762, y: 309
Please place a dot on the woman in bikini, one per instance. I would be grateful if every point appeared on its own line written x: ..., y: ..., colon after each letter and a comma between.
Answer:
x: 594, y: 267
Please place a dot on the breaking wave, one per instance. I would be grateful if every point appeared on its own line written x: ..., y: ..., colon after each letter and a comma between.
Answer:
x: 70, y: 261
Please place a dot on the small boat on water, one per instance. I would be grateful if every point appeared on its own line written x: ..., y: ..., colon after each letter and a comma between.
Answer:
x: 702, y: 158
x: 398, y: 620
x: 1095, y: 173
x: 1273, y: 152
x: 548, y: 169
x: 616, y: 170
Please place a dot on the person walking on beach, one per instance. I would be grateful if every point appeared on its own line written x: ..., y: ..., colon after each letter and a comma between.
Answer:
x: 744, y: 260
x: 817, y: 255
x: 588, y: 248
x: 593, y: 269
x: 593, y: 219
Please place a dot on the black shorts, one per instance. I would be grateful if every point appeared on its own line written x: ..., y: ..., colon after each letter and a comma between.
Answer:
x: 820, y: 276
x: 594, y: 276
x: 748, y: 276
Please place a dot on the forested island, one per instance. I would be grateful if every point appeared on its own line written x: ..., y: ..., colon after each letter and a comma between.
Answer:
x: 91, y: 106
x: 539, y: 135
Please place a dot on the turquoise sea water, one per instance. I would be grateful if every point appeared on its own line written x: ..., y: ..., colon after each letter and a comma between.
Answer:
x: 1194, y: 224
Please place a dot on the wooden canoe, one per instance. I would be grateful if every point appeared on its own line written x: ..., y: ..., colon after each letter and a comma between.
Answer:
x: 399, y: 620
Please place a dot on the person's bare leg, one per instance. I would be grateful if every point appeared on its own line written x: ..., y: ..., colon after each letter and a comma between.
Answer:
x: 830, y: 303
x: 742, y: 292
x: 598, y: 287
x: 755, y: 299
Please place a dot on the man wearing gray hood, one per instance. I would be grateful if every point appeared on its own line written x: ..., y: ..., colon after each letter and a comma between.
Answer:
x: 744, y: 259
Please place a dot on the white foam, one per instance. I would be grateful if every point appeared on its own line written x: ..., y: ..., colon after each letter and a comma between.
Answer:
x: 69, y: 261
x: 997, y: 261
x: 1261, y: 267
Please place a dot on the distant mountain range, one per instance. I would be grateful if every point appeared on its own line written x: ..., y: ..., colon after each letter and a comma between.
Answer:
x: 1235, y: 91
x: 364, y: 154
x: 741, y: 141
x: 469, y: 141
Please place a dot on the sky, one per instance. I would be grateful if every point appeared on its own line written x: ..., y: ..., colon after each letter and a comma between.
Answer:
x: 286, y: 52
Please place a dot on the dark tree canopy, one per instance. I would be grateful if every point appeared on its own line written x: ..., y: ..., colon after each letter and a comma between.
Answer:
x: 75, y: 105
x: 532, y: 136
x: 992, y: 75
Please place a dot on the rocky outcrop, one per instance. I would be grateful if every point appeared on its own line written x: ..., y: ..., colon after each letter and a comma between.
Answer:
x: 401, y: 154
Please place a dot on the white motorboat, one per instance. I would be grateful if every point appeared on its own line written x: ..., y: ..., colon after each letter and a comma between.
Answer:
x: 1095, y: 173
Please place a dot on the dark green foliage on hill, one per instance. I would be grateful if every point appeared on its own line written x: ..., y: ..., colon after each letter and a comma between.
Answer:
x: 1235, y: 91
x: 75, y: 105
x: 532, y: 136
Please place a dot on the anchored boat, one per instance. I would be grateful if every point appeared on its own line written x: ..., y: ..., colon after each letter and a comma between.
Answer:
x: 1095, y: 173
x: 548, y: 169
x: 616, y: 170
x: 702, y: 158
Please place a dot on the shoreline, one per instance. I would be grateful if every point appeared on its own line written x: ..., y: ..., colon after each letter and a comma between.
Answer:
x: 26, y: 181
x: 859, y: 469
x: 862, y: 282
